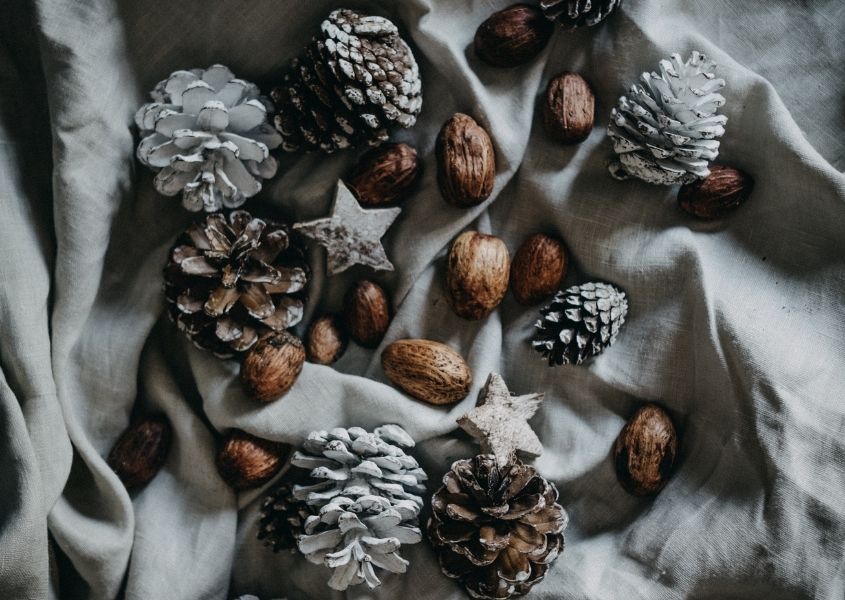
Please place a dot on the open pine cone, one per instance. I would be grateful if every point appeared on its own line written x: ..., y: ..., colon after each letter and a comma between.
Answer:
x: 496, y: 530
x: 207, y: 136
x: 578, y: 13
x: 356, y: 79
x: 231, y: 280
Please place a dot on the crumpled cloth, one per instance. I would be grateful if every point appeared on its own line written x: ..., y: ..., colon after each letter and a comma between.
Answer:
x: 735, y: 327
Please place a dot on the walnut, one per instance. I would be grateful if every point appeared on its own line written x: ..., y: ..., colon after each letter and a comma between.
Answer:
x: 569, y: 108
x: 477, y: 274
x: 537, y: 269
x: 427, y: 370
x: 645, y: 451
x: 512, y: 36
x: 270, y: 369
x: 466, y: 162
x: 385, y: 174
x: 717, y: 194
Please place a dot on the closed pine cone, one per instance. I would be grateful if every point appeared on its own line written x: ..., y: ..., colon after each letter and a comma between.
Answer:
x: 496, y: 530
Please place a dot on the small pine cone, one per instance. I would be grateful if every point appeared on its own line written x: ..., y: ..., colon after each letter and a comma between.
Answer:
x: 580, y: 323
x: 282, y: 518
x: 231, y: 280
x: 496, y: 529
x: 355, y: 80
x: 571, y: 14
x: 667, y: 130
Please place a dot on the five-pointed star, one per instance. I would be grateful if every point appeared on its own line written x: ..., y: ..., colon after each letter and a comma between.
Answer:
x: 351, y: 234
x: 500, y: 421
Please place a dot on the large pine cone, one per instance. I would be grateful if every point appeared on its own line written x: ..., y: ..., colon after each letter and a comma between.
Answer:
x: 580, y: 322
x: 230, y: 281
x: 578, y: 13
x: 356, y: 79
x: 496, y: 530
x: 666, y: 131
x: 207, y: 136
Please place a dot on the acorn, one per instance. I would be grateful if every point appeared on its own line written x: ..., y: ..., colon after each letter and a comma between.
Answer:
x: 645, y: 451
x: 245, y: 461
x: 384, y: 175
x: 427, y: 370
x: 477, y: 274
x: 141, y: 450
x: 537, y: 268
x: 366, y: 313
x: 326, y: 340
x: 271, y: 368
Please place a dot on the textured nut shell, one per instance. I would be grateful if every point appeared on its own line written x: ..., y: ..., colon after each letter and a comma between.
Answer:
x: 427, y: 370
x: 466, y: 162
x: 270, y: 369
x: 367, y: 313
x: 717, y: 194
x: 140, y: 451
x: 538, y: 268
x: 245, y: 461
x: 477, y: 274
x: 513, y: 36
x: 385, y: 174
x: 645, y: 451
x: 326, y: 340
x: 569, y: 109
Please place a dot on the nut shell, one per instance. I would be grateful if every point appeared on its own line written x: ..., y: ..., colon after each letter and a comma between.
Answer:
x: 645, y: 451
x: 569, y: 110
x: 513, y: 36
x: 717, y: 194
x: 477, y: 274
x: 245, y: 461
x: 385, y: 174
x: 326, y: 340
x: 466, y: 162
x: 367, y: 313
x: 141, y: 450
x: 271, y: 368
x: 427, y: 370
x: 538, y: 268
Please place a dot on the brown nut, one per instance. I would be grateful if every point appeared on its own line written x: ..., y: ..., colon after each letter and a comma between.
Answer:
x: 477, y: 274
x: 512, y: 36
x: 569, y: 108
x: 717, y: 194
x: 645, y: 451
x: 367, y: 313
x: 326, y: 340
x: 427, y: 370
x: 271, y: 368
x: 537, y: 269
x: 140, y: 451
x: 384, y: 174
x: 245, y: 461
x: 466, y: 162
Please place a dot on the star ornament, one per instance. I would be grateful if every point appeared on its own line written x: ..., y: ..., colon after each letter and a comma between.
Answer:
x: 500, y: 421
x: 351, y: 235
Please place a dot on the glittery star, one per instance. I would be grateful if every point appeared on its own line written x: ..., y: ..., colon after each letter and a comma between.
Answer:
x: 351, y: 234
x: 500, y: 421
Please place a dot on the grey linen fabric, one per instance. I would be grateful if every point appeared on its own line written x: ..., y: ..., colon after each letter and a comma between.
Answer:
x: 737, y: 328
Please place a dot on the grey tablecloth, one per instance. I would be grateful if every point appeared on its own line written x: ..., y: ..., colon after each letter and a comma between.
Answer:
x: 736, y: 328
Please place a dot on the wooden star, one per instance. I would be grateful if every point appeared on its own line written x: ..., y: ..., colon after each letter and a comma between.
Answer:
x: 500, y: 421
x: 351, y: 234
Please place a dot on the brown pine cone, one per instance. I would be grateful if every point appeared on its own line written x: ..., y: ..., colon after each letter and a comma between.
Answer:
x: 282, y: 517
x: 231, y: 280
x: 496, y: 530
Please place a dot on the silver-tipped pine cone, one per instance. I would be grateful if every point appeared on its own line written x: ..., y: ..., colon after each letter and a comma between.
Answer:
x: 580, y: 323
x: 231, y: 279
x: 208, y: 137
x: 355, y: 80
x: 364, y: 492
x: 496, y: 529
x: 571, y: 14
x: 666, y: 131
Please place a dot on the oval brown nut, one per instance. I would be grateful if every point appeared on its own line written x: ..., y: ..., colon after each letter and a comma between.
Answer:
x: 271, y: 368
x: 245, y: 461
x: 141, y: 450
x: 512, y: 36
x: 477, y: 274
x: 466, y: 162
x: 537, y: 269
x: 326, y: 340
x: 569, y: 109
x: 717, y: 194
x: 427, y: 370
x: 384, y: 174
x: 645, y: 451
x: 366, y: 313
